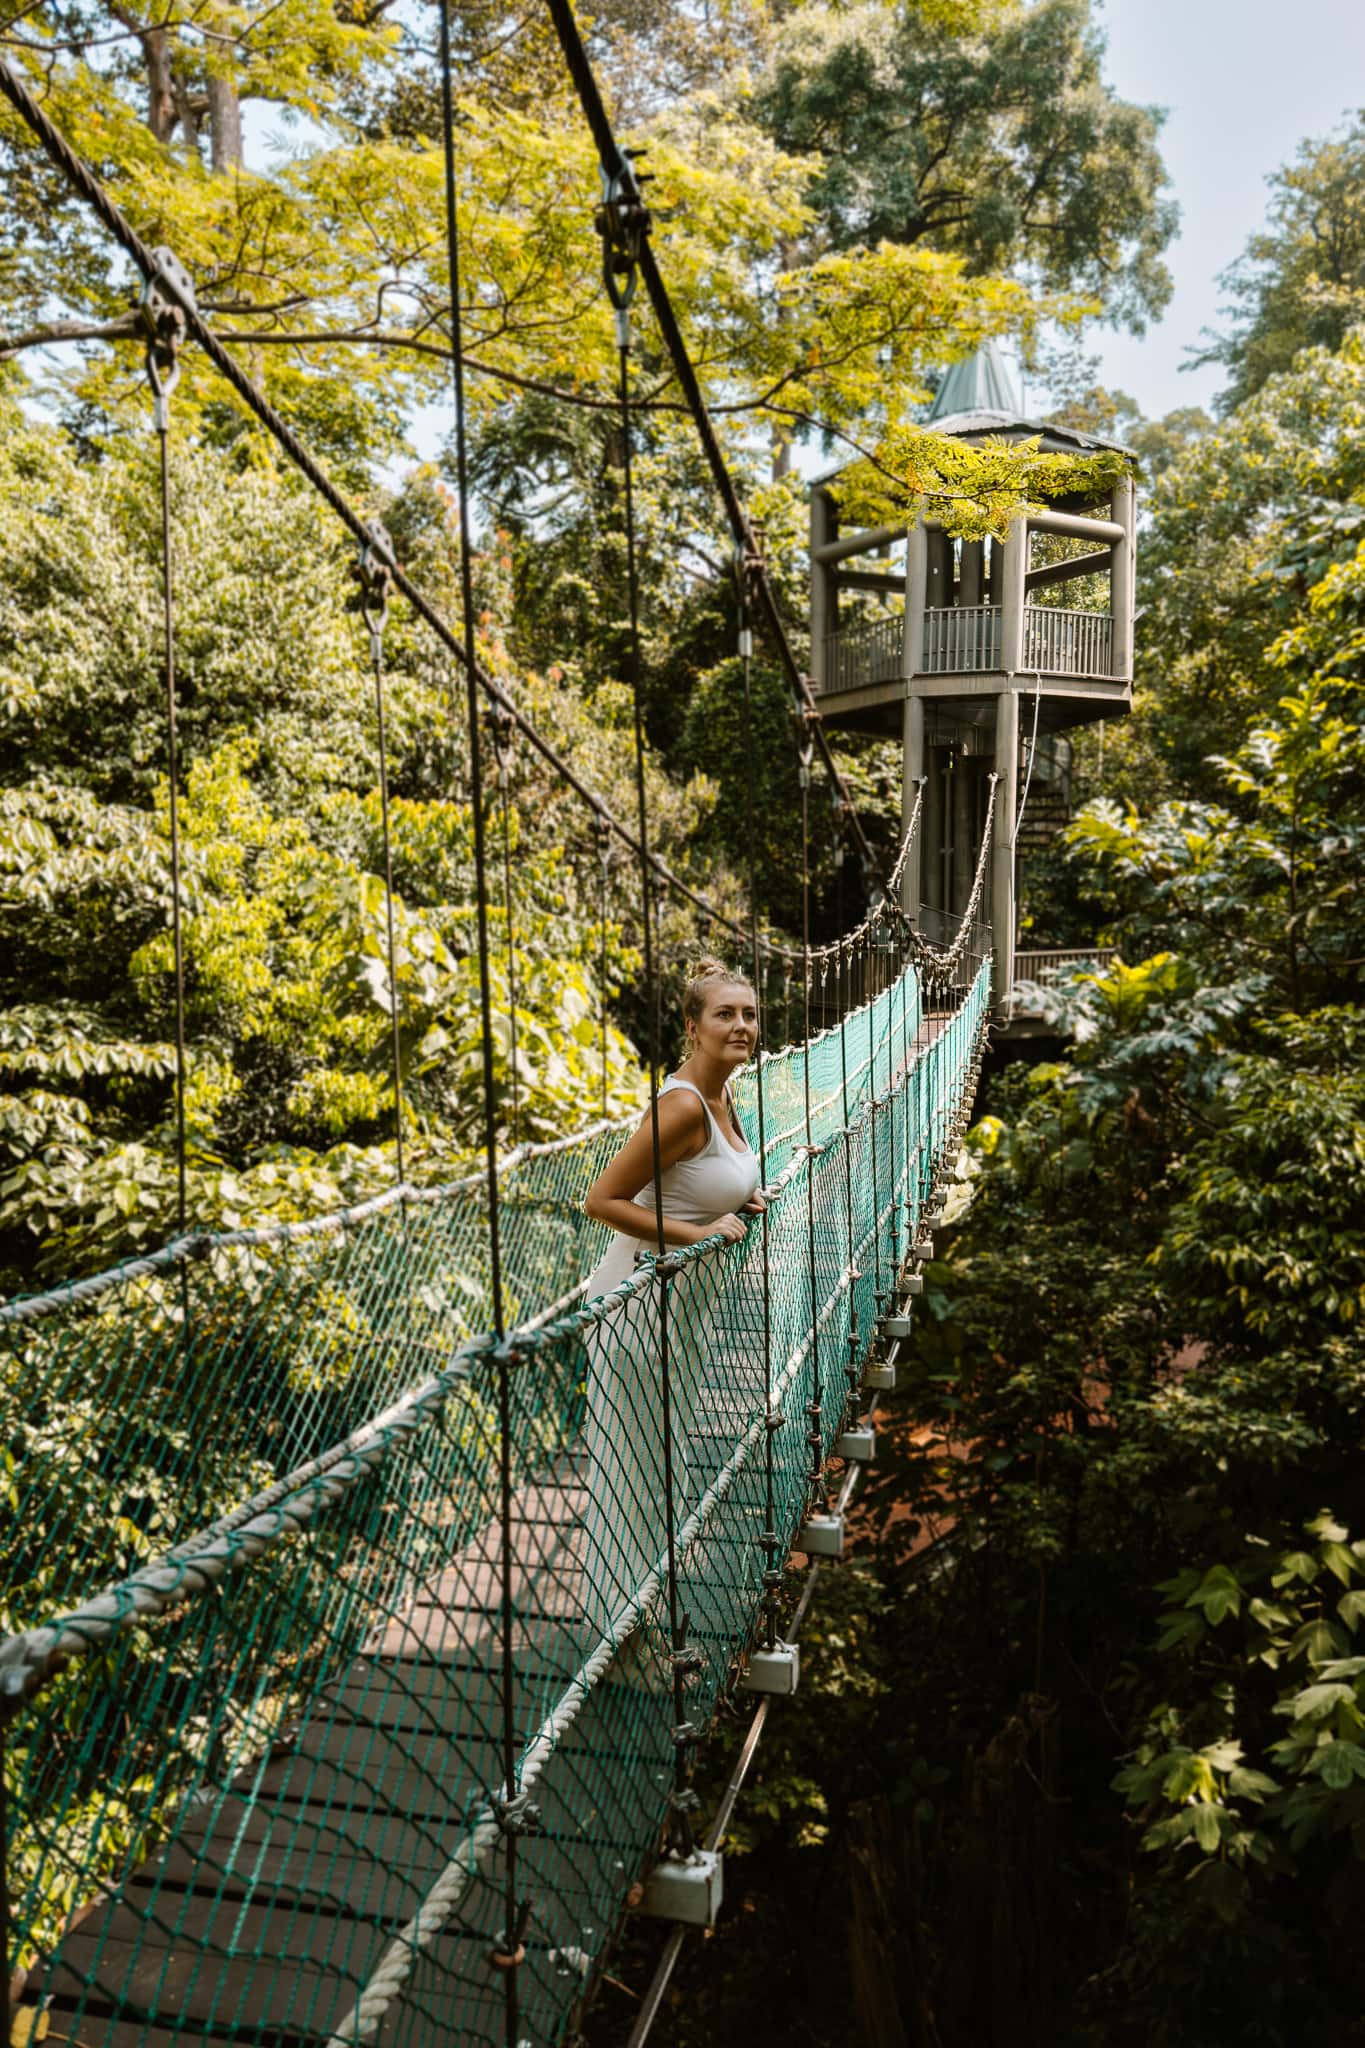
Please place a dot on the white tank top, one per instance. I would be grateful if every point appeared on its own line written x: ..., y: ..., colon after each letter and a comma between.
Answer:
x: 720, y: 1179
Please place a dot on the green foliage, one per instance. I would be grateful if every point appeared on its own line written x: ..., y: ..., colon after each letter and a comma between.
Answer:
x: 1301, y: 280
x: 290, y: 1013
x: 1244, y: 525
x: 989, y: 133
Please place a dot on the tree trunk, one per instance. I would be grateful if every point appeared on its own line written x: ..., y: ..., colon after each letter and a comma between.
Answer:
x: 1003, y: 1929
x: 884, y: 1866
x: 160, y: 86
x: 225, y: 125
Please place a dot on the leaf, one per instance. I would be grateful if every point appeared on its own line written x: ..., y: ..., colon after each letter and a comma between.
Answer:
x: 1315, y: 1701
x: 1208, y: 1826
x: 1338, y: 1763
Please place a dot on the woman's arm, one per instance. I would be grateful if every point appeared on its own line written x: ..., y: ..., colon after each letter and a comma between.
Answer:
x: 611, y: 1198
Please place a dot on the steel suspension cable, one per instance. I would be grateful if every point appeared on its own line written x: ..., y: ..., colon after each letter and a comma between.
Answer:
x: 854, y: 1374
x: 621, y: 179
x: 513, y: 1814
x: 815, y: 1439
x: 165, y: 340
x: 682, y: 1800
x: 602, y: 841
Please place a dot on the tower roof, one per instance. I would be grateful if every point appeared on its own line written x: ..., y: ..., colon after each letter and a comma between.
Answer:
x: 979, y: 383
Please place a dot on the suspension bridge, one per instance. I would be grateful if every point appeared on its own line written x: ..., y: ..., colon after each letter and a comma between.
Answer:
x: 374, y: 1748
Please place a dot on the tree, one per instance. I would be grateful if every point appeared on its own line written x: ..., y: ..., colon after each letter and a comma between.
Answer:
x: 1300, y: 282
x: 1242, y: 526
x: 992, y: 138
x: 290, y: 1002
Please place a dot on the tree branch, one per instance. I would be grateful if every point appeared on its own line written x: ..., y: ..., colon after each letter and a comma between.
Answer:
x: 126, y: 327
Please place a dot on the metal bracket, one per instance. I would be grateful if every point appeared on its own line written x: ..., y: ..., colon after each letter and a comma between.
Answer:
x: 776, y: 1671
x: 515, y: 1816
x: 686, y: 1889
x: 373, y: 573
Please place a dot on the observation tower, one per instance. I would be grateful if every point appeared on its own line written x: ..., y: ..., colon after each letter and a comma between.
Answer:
x: 982, y: 655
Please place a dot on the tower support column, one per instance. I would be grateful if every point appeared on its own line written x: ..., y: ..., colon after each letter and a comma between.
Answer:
x: 912, y: 774
x: 912, y: 714
x: 1002, y: 847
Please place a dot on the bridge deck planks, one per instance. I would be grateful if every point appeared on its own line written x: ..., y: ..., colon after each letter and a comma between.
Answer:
x: 266, y: 1912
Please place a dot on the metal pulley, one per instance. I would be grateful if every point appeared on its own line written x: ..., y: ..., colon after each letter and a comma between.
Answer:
x: 622, y: 220
x: 373, y: 574
x: 165, y: 296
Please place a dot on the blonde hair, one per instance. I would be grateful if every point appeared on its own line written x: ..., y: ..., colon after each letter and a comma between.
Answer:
x: 706, y: 971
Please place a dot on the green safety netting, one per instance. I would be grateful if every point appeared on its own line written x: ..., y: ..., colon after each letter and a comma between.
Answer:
x: 255, y: 1803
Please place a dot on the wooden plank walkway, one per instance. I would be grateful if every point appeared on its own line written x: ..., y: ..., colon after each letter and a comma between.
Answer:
x: 266, y: 1914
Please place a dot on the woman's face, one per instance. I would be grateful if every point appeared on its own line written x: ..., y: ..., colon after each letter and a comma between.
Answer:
x: 727, y: 1029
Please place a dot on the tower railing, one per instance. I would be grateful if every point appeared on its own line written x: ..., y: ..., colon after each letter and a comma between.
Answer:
x: 1067, y: 643
x: 967, y: 640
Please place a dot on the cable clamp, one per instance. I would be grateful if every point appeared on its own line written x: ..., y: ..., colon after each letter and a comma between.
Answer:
x: 774, y: 1420
x: 601, y: 829
x: 373, y: 574
x: 510, y: 1951
x: 516, y: 1816
x: 685, y: 1801
x: 501, y: 727
x: 686, y: 1735
x: 165, y: 296
x: 686, y: 1659
x: 623, y: 222
x: 667, y: 1266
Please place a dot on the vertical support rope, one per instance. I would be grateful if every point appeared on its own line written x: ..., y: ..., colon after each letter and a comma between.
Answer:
x: 683, y: 1799
x: 373, y: 602
x: 602, y: 839
x: 163, y: 373
x: 879, y: 1291
x: 854, y: 1344
x: 501, y: 727
x: 771, y: 1539
x: 511, y: 1811
x: 815, y: 1408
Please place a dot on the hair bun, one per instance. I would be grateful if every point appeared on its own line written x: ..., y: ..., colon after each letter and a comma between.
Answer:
x: 708, y: 966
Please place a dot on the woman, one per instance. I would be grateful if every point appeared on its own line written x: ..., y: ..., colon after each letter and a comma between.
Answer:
x: 708, y: 1180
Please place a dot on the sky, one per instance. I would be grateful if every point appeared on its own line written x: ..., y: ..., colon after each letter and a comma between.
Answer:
x: 1245, y: 81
